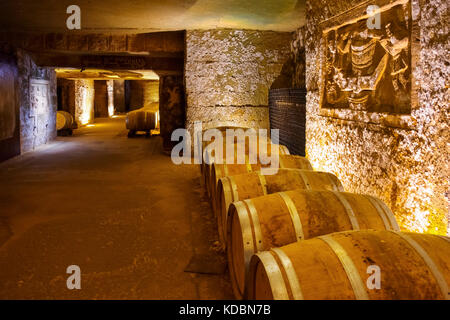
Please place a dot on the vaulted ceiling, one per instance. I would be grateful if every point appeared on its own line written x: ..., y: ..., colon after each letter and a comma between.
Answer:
x: 134, y: 16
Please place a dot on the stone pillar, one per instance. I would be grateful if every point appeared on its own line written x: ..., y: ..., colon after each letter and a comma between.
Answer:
x: 101, y: 99
x: 119, y: 96
x: 172, y: 108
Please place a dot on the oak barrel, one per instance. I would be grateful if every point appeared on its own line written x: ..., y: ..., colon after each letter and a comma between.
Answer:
x: 282, y: 218
x: 142, y: 120
x: 64, y: 120
x: 254, y: 184
x: 220, y: 170
x: 212, y: 160
x: 338, y: 266
x: 201, y: 146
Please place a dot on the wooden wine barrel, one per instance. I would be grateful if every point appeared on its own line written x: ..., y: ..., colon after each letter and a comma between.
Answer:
x: 211, y: 158
x: 64, y: 120
x: 254, y: 184
x: 337, y: 266
x: 201, y: 146
x: 220, y: 170
x: 279, y: 219
x: 141, y: 120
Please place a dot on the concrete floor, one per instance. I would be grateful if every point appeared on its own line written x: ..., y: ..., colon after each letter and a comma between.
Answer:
x: 114, y: 206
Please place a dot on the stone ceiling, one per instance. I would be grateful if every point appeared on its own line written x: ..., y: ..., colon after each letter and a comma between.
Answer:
x: 135, y: 16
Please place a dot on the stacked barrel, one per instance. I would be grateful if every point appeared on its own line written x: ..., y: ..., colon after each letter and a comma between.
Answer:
x: 297, y: 234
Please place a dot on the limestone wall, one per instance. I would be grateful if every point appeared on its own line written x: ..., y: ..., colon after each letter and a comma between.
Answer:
x: 143, y: 93
x: 84, y: 101
x: 228, y: 74
x: 401, y: 159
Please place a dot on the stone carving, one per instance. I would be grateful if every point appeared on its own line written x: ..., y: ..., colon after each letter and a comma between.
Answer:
x: 40, y: 109
x: 369, y: 69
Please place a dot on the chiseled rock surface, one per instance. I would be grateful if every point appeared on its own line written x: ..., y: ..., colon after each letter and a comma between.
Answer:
x: 229, y: 74
x: 406, y: 167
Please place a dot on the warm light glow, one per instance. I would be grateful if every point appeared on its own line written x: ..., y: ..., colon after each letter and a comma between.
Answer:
x: 90, y: 125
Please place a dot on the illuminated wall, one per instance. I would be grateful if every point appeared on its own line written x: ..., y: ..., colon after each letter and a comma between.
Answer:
x: 143, y: 93
x: 84, y: 101
x: 403, y: 159
x: 228, y: 74
x: 110, y: 89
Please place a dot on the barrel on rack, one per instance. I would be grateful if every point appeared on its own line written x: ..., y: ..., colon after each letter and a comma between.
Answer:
x: 141, y: 120
x: 282, y: 218
x: 254, y: 184
x: 219, y: 171
x: 338, y: 266
x: 64, y: 120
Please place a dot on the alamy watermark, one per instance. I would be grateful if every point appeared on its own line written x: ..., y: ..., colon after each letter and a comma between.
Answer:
x: 234, y: 146
x: 73, y: 22
x: 74, y: 280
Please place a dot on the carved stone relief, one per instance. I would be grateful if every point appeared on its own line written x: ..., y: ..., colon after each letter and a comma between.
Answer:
x: 368, y: 69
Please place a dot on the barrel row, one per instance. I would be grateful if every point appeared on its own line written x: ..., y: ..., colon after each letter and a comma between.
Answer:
x: 274, y: 225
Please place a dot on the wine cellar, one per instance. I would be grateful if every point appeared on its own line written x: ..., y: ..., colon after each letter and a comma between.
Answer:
x: 214, y: 150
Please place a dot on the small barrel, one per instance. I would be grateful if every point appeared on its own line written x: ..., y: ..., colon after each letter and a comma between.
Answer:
x: 345, y: 266
x: 282, y: 218
x: 254, y: 184
x: 141, y: 120
x: 64, y: 120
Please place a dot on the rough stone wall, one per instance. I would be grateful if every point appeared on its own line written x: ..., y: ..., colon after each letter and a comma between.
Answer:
x: 172, y: 108
x: 228, y: 74
x: 9, y: 104
x: 66, y: 98
x: 84, y: 101
x: 143, y: 93
x: 151, y: 92
x: 119, y: 96
x: 37, y: 106
x: 407, y: 165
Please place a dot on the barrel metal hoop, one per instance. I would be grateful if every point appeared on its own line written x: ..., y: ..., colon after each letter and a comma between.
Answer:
x: 247, y: 235
x: 380, y: 211
x: 349, y: 268
x: 280, y: 162
x: 348, y: 209
x: 389, y: 215
x: 429, y: 262
x: 227, y: 193
x: 262, y: 180
x: 295, y: 218
x: 234, y: 191
x: 277, y: 284
x: 335, y: 182
x: 254, y: 220
x: 290, y: 273
x: 305, y: 180
x: 443, y: 237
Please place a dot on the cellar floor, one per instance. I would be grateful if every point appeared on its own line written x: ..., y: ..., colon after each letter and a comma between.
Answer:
x: 116, y: 207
